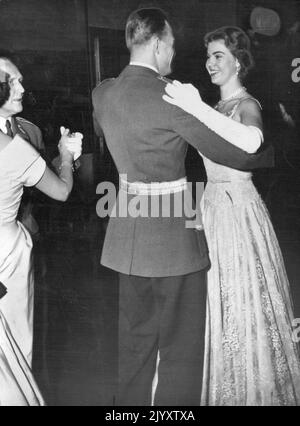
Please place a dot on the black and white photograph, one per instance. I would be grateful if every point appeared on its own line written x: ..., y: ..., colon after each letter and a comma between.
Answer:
x: 149, y: 205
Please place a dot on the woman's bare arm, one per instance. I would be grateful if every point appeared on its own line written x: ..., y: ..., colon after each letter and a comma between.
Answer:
x: 59, y: 187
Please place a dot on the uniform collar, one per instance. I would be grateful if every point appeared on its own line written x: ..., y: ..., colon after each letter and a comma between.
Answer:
x: 142, y: 64
x: 16, y: 126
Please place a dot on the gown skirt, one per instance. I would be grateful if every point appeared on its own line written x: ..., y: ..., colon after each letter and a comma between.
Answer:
x: 251, y: 355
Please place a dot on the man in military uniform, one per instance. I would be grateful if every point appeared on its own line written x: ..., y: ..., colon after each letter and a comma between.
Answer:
x: 12, y: 125
x: 161, y: 262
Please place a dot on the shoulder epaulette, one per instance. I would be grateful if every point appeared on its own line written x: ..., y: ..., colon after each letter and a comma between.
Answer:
x: 164, y: 79
x: 23, y: 120
x: 106, y: 80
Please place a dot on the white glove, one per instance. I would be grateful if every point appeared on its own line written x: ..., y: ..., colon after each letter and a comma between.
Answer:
x: 185, y: 96
x: 74, y: 144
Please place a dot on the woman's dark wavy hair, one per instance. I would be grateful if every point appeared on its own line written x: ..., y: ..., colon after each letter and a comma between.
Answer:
x: 4, y: 88
x: 237, y: 41
x: 4, y: 78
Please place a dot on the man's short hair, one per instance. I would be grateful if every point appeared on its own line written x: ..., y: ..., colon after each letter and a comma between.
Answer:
x: 143, y: 24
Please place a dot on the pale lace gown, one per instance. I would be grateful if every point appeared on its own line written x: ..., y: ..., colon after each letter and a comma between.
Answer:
x: 20, y: 165
x: 250, y: 356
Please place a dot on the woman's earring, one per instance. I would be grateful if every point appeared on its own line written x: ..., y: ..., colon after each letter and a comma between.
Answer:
x: 238, y: 67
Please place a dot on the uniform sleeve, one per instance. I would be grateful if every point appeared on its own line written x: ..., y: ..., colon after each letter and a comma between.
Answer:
x: 40, y: 143
x: 28, y: 164
x: 97, y: 127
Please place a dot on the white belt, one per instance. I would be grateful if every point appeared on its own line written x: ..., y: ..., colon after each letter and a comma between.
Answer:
x: 153, y: 188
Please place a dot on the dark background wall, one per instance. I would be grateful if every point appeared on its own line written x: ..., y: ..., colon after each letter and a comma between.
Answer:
x: 50, y: 39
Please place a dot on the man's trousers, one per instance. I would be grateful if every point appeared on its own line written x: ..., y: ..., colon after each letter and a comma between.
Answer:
x: 166, y: 315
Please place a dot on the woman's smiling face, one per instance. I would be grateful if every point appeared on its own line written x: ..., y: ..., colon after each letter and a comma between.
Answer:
x: 221, y: 64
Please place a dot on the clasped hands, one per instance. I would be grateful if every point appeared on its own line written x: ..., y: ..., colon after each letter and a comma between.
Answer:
x: 185, y: 96
x: 70, y: 144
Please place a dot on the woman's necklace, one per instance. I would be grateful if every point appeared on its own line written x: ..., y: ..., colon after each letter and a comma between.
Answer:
x: 230, y: 97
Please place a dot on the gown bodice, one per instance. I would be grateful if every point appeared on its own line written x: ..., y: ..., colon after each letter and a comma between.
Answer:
x: 219, y: 173
x: 225, y: 184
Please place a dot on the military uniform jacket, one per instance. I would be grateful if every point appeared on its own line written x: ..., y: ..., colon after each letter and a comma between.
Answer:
x: 148, y: 140
x: 28, y: 131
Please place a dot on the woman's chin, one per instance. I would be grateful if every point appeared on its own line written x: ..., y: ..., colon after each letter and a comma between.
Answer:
x: 216, y: 81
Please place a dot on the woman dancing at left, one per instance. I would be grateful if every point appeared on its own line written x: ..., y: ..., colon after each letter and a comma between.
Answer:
x: 21, y: 165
